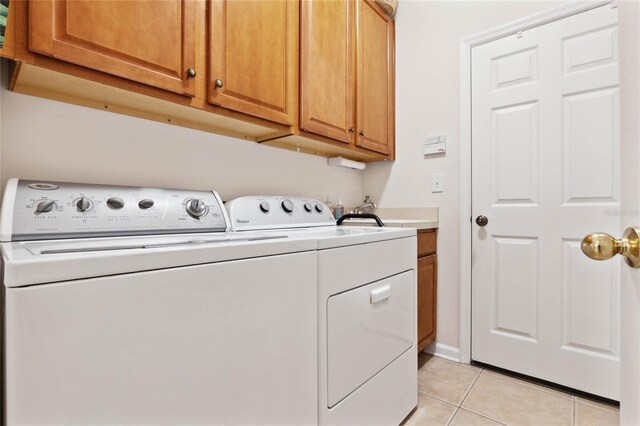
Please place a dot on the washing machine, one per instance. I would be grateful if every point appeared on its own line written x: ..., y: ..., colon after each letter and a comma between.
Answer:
x: 136, y: 306
x: 366, y: 276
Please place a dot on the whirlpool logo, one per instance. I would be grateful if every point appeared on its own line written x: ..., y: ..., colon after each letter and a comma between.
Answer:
x: 242, y: 221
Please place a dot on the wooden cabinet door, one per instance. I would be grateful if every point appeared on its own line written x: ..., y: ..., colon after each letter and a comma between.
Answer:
x: 327, y: 68
x: 375, y: 78
x: 151, y: 42
x: 253, y: 57
x: 427, y: 300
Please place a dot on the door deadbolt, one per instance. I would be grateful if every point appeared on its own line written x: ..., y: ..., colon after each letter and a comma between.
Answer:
x: 482, y: 220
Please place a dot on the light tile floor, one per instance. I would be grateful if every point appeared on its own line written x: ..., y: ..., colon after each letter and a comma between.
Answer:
x: 462, y: 395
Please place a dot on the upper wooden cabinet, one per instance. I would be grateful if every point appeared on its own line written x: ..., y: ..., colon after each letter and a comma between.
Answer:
x: 327, y: 69
x: 315, y: 76
x: 253, y: 57
x: 151, y: 42
x: 347, y: 73
x: 375, y: 88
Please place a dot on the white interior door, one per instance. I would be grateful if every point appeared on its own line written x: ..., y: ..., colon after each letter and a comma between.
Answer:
x: 545, y: 170
x: 630, y: 206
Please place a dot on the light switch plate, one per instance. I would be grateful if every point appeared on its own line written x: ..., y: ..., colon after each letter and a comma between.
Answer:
x: 437, y: 182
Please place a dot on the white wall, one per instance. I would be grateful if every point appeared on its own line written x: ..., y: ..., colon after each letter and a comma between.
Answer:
x: 42, y: 139
x: 427, y: 90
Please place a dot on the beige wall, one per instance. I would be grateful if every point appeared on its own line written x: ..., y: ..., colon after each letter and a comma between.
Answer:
x: 42, y: 139
x: 428, y: 34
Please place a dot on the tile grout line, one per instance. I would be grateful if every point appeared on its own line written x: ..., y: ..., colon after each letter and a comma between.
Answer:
x: 551, y: 391
x: 470, y: 388
x: 455, y: 413
x: 483, y: 415
x: 570, y: 397
x: 471, y: 410
x: 439, y: 399
x: 573, y: 411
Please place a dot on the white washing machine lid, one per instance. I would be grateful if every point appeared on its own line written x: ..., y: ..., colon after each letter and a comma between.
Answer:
x: 40, y: 262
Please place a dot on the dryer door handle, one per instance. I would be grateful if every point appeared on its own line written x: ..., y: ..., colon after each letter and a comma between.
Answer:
x: 360, y: 216
x: 379, y: 294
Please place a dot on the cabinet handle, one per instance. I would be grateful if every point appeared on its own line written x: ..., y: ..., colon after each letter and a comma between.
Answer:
x: 379, y: 294
x: 191, y: 73
x: 351, y: 130
x: 361, y: 133
x: 218, y: 83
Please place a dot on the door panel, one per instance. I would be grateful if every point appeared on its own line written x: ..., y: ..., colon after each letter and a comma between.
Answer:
x: 515, y: 288
x: 375, y: 81
x: 119, y: 38
x: 590, y: 297
x: 327, y: 68
x: 546, y: 172
x: 590, y: 137
x: 515, y: 153
x: 253, y: 53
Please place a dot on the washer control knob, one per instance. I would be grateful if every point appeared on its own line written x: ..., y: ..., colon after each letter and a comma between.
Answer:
x: 319, y: 207
x: 196, y: 208
x: 145, y: 204
x: 264, y: 206
x: 308, y: 207
x: 115, y: 203
x: 45, y: 206
x: 287, y: 206
x: 83, y: 204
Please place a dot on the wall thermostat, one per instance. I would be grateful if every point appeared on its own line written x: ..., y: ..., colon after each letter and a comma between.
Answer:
x: 435, y: 145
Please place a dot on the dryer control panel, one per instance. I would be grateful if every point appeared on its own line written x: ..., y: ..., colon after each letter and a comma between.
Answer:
x: 37, y: 210
x: 277, y: 212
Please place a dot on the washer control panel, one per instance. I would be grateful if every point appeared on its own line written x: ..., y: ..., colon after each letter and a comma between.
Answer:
x: 35, y: 210
x: 277, y: 212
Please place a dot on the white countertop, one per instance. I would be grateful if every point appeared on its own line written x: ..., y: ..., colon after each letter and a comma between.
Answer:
x: 409, y: 217
x: 395, y: 223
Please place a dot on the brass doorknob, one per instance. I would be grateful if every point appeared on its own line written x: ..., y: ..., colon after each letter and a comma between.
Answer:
x: 601, y: 246
x: 218, y: 83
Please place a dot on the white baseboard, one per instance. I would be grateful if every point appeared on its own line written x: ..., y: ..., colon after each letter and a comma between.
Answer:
x: 443, y: 351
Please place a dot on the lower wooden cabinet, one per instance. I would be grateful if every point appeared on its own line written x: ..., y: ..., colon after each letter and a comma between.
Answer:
x: 427, y: 287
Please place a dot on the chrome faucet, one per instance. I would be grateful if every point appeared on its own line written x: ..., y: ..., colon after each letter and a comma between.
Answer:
x: 368, y: 206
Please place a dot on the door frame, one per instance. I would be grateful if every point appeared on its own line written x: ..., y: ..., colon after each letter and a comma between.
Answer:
x: 466, y: 44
